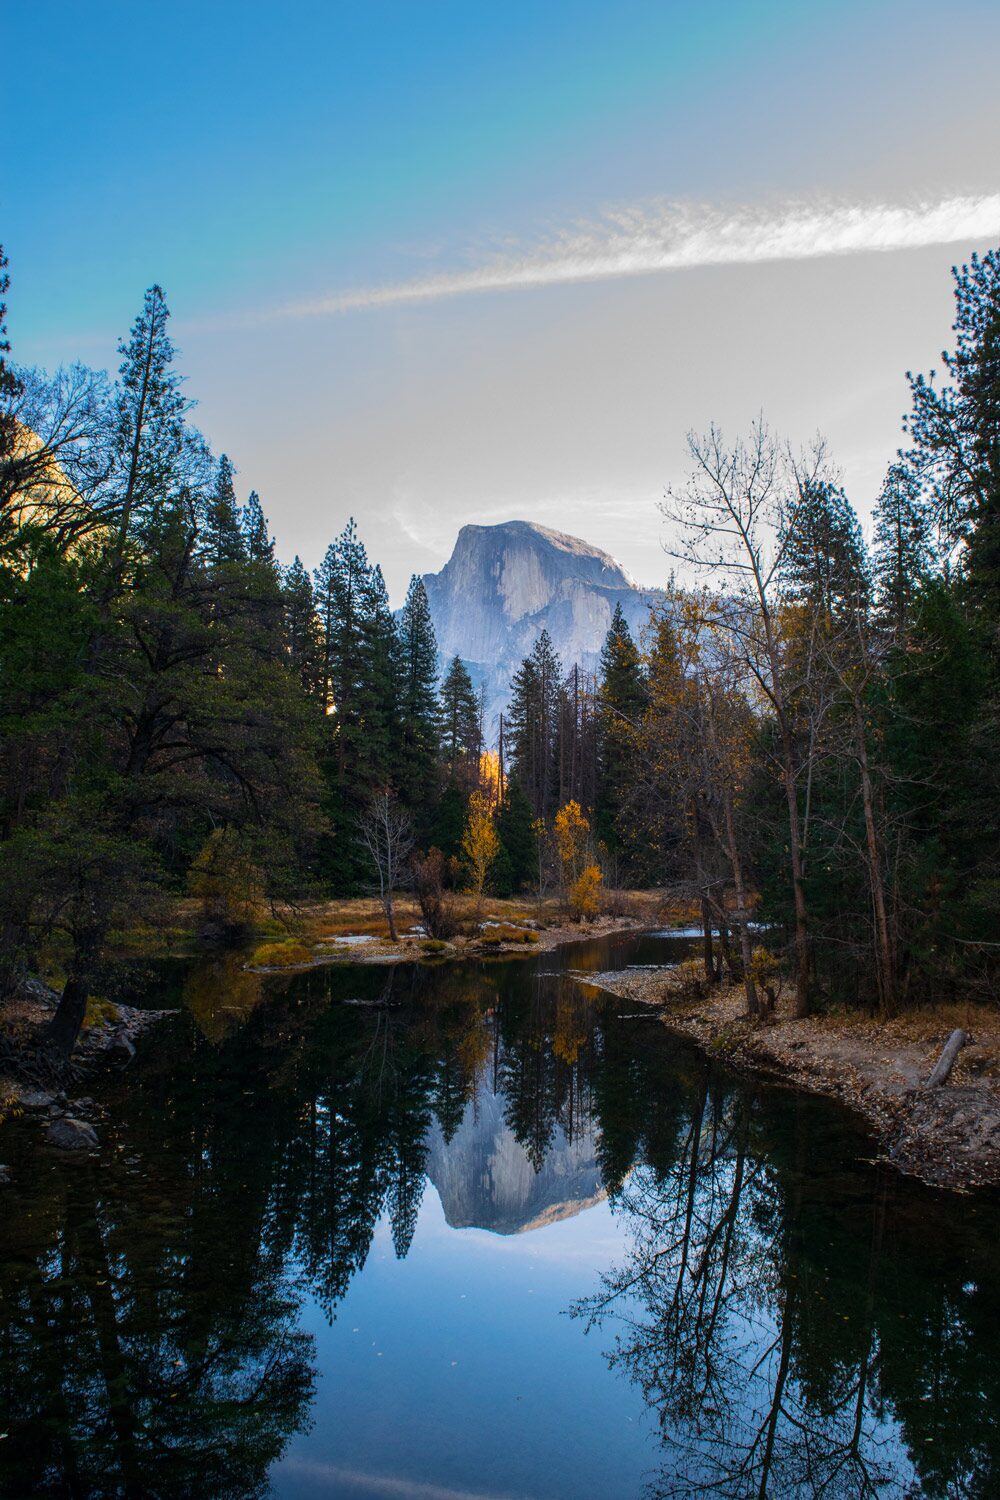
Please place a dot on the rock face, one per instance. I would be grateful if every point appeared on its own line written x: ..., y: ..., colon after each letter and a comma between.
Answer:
x: 504, y: 584
x: 486, y: 1181
x: 68, y: 1134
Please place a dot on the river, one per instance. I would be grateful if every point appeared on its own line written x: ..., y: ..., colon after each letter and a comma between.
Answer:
x: 480, y: 1232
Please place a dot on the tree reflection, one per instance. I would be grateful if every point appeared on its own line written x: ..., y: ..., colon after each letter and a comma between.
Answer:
x: 762, y: 1329
x: 788, y: 1320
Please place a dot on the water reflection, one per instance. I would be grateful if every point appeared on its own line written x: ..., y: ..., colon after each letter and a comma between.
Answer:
x: 796, y: 1324
x: 800, y: 1330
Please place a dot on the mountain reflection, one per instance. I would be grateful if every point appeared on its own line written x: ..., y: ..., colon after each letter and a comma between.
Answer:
x: 797, y: 1325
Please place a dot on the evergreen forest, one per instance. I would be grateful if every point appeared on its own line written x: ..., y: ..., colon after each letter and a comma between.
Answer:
x: 801, y: 745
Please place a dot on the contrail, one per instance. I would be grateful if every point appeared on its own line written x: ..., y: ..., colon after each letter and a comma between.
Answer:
x: 665, y: 236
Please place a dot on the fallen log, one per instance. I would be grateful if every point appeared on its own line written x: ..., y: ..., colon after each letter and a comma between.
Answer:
x: 946, y: 1059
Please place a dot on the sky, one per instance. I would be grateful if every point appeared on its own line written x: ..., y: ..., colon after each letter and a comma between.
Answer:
x: 436, y: 263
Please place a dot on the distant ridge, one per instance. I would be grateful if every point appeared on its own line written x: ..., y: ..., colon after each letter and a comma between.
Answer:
x: 504, y: 584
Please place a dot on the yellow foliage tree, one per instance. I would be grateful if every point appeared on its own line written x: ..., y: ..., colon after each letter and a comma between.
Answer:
x: 572, y: 831
x: 489, y: 776
x: 585, y: 892
x: 227, y: 881
x: 480, y: 843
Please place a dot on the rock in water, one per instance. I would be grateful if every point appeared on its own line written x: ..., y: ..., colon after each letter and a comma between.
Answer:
x: 68, y: 1134
x: 504, y: 584
x: 121, y: 1047
x: 33, y: 1100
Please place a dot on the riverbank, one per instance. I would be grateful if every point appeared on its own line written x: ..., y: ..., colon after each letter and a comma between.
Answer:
x: 356, y: 932
x: 947, y: 1136
x: 31, y: 1083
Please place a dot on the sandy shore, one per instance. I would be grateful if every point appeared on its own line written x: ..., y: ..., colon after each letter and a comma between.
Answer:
x: 949, y: 1136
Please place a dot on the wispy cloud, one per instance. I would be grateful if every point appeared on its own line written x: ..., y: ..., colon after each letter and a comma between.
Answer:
x: 385, y: 1484
x: 664, y: 236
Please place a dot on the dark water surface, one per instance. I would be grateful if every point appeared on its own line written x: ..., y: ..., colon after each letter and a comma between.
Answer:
x: 495, y: 1237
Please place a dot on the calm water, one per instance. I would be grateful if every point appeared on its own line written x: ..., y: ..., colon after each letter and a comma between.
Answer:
x: 495, y: 1237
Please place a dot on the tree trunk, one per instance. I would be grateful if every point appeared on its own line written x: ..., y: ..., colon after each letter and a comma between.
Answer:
x: 707, y: 951
x: 742, y: 928
x: 946, y: 1061
x: 390, y: 917
x: 885, y: 947
x: 64, y: 1028
x: 795, y: 846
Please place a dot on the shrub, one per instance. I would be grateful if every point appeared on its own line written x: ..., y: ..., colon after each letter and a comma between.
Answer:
x: 281, y: 955
x: 99, y: 1011
x: 689, y: 979
x: 430, y: 872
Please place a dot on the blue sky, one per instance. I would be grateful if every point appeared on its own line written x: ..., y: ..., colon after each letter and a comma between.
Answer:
x: 253, y: 158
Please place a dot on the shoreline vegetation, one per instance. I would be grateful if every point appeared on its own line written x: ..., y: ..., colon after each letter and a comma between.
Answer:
x: 947, y: 1136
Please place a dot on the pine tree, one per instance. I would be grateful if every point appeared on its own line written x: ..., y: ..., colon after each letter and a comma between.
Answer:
x: 258, y: 543
x: 381, y: 688
x: 460, y: 744
x: 903, y: 551
x: 622, y: 697
x: 823, y: 562
x: 150, y: 438
x: 222, y: 536
x: 302, y: 630
x: 448, y: 827
x: 344, y: 597
x: 574, y: 752
x: 418, y: 750
x: 515, y: 824
x: 533, y: 717
x: 10, y: 386
x: 956, y: 439
x: 341, y: 586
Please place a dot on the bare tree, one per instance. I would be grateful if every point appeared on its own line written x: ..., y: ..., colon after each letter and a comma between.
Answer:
x: 387, y: 833
x: 733, y: 523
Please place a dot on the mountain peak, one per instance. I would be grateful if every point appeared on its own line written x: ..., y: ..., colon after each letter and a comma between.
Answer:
x: 504, y: 584
x: 474, y: 536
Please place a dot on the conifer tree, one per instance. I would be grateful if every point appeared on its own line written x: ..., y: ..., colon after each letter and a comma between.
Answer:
x: 341, y: 591
x: 460, y: 737
x: 302, y: 630
x: 9, y: 383
x: 515, y: 824
x: 222, y: 535
x: 259, y: 544
x: 823, y: 560
x: 448, y: 827
x: 903, y: 551
x: 621, y: 698
x: 955, y: 430
x: 418, y: 750
x: 379, y: 700
x: 150, y: 436
x: 344, y: 599
x: 533, y: 717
